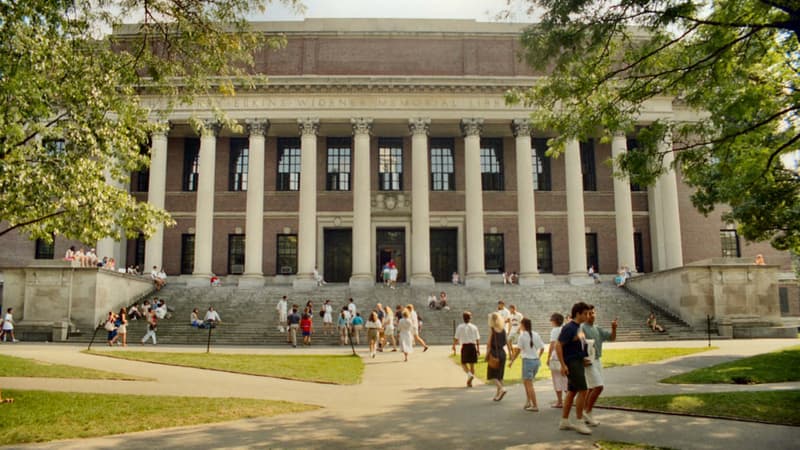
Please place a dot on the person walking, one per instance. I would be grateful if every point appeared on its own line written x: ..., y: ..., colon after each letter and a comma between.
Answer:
x: 469, y: 337
x: 294, y: 324
x: 571, y: 348
x: 595, y: 336
x: 282, y: 309
x: 406, y: 332
x: 559, y: 380
x: 152, y: 326
x: 327, y: 317
x: 389, y: 327
x: 495, y: 352
x: 412, y: 314
x: 306, y: 325
x: 122, y: 326
x: 8, y: 325
x: 373, y: 327
x: 530, y: 346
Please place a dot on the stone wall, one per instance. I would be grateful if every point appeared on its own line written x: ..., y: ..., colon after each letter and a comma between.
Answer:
x: 45, y: 296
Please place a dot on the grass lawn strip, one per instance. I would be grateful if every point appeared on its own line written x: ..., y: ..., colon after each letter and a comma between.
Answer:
x: 330, y: 369
x: 777, y: 407
x: 39, y: 416
x: 12, y: 366
x: 616, y: 445
x: 775, y: 367
x: 611, y: 358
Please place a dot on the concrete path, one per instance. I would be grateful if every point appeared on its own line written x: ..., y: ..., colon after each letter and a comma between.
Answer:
x: 419, y: 404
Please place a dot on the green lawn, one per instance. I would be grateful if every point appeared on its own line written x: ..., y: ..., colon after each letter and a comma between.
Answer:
x: 333, y: 369
x: 778, y: 407
x: 11, y: 366
x: 775, y: 367
x: 38, y: 416
x: 611, y: 358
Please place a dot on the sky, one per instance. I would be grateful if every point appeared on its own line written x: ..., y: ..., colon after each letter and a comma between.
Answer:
x: 481, y: 10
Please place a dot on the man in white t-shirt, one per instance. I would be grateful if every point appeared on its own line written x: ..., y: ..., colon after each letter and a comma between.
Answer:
x: 505, y: 314
x: 212, y: 317
x: 468, y: 336
x: 282, y: 307
x: 351, y: 308
x: 514, y: 318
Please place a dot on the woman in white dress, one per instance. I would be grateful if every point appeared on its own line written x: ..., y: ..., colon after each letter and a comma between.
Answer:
x: 406, y: 329
x: 388, y: 328
x: 327, y: 318
x: 415, y: 326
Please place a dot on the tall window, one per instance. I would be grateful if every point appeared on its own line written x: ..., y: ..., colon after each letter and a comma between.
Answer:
x: 633, y: 145
x: 730, y: 243
x: 541, y: 165
x: 493, y: 253
x: 143, y: 174
x: 492, y: 164
x: 287, y: 254
x: 544, y: 252
x: 138, y: 251
x: 191, y: 163
x: 44, y: 249
x: 638, y: 251
x: 442, y: 165
x: 587, y: 166
x: 592, y: 258
x: 390, y: 164
x: 288, y: 164
x: 187, y: 253
x: 338, y: 178
x: 239, y: 162
x: 235, y: 254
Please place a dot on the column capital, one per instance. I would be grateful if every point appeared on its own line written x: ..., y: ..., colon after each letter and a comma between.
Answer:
x: 361, y: 125
x: 257, y: 126
x: 162, y: 127
x: 308, y: 126
x: 209, y: 127
x: 472, y: 126
x: 419, y: 125
x: 521, y: 127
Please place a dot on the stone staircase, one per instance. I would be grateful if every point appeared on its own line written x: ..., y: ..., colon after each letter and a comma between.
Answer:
x: 249, y: 316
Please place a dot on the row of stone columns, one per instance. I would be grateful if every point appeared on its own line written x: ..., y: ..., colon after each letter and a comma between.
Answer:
x: 665, y: 223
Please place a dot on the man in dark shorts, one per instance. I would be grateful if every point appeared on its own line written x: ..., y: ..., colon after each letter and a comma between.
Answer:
x: 467, y: 335
x: 571, y: 350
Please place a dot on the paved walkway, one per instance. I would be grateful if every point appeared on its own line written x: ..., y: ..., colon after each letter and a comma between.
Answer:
x: 419, y: 404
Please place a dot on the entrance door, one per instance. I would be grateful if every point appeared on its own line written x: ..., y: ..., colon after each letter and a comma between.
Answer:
x: 338, y: 255
x: 391, y: 244
x: 444, y: 253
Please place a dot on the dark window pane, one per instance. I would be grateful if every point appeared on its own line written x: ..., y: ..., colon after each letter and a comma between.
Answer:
x: 287, y: 254
x: 138, y: 251
x: 638, y: 249
x: 592, y: 258
x: 541, y: 165
x: 187, y: 253
x: 338, y: 175
x: 191, y: 163
x: 239, y: 164
x: 288, y: 164
x: 633, y: 145
x: 442, y: 165
x: 236, y: 254
x: 588, y: 166
x: 544, y: 252
x: 730, y: 243
x: 45, y: 250
x: 492, y: 164
x: 493, y: 253
x: 390, y: 164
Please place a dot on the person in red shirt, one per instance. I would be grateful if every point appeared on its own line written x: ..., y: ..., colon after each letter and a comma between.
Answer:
x: 306, y: 327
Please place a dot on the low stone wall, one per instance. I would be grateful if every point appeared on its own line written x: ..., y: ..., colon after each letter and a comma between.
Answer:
x: 49, y: 298
x: 742, y: 298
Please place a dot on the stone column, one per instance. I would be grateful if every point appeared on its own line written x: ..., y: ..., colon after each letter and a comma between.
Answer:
x: 655, y: 213
x: 623, y: 211
x: 576, y: 224
x: 670, y: 218
x: 526, y: 205
x: 254, y: 225
x: 473, y: 191
x: 307, y: 214
x: 420, y: 204
x: 204, y: 216
x: 362, y: 276
x: 156, y: 193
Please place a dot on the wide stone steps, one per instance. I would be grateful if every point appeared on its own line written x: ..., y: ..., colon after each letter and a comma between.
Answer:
x: 249, y: 316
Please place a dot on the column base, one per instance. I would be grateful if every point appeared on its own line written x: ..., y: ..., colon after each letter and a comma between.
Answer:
x: 198, y: 280
x: 361, y: 281
x: 251, y: 281
x: 304, y: 283
x: 580, y: 279
x: 422, y: 280
x: 530, y: 279
x: 478, y: 280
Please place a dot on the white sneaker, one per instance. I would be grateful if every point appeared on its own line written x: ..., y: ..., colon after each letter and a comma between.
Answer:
x: 565, y: 424
x: 581, y: 428
x: 589, y: 420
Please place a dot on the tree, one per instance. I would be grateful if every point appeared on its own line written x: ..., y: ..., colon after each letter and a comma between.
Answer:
x: 71, y: 123
x: 735, y: 62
